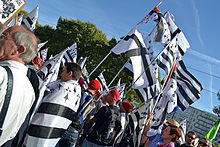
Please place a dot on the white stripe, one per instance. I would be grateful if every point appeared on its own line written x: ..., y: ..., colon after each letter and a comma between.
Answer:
x: 41, y: 142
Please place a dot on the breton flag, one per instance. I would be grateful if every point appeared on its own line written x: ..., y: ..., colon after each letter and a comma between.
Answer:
x: 137, y: 121
x: 143, y: 93
x: 48, y: 73
x: 43, y: 54
x: 70, y: 55
x: 13, y: 21
x: 102, y: 82
x: 183, y: 131
x: 133, y: 44
x: 151, y: 16
x: 182, y: 42
x: 40, y: 45
x: 54, y: 114
x: 85, y: 74
x: 166, y: 58
x: 31, y: 19
x: 188, y: 87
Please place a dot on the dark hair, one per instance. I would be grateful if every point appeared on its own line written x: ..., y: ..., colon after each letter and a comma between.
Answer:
x: 192, y: 132
x: 177, y: 132
x: 75, y: 68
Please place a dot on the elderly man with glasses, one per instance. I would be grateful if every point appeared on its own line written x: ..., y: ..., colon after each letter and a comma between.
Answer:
x: 18, y: 46
x: 190, y: 139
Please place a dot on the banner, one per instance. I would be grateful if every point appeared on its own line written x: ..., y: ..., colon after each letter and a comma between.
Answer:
x: 9, y: 9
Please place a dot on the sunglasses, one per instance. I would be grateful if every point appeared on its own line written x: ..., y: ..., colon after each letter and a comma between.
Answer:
x: 191, y: 137
x: 204, y: 144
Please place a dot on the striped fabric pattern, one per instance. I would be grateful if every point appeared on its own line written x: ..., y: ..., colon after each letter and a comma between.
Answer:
x: 31, y: 19
x: 54, y: 114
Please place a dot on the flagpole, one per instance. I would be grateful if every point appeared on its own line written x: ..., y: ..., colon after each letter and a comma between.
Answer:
x: 167, y: 78
x: 118, y: 73
x: 129, y: 88
x: 99, y: 64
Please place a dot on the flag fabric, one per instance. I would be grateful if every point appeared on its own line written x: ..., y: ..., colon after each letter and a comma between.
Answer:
x: 102, y: 82
x: 188, y: 87
x: 211, y: 134
x: 121, y: 90
x: 48, y: 73
x: 85, y: 74
x: 136, y: 122
x: 31, y: 19
x: 166, y: 58
x: 13, y: 21
x: 151, y: 16
x: 182, y: 42
x: 54, y: 114
x: 143, y: 93
x: 40, y: 45
x: 166, y: 102
x: 183, y: 131
x: 70, y: 55
x: 43, y: 54
x: 133, y: 44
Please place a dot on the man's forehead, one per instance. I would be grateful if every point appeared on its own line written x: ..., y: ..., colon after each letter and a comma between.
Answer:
x: 14, y: 29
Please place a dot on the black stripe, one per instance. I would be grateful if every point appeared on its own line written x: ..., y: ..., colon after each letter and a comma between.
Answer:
x: 163, y: 66
x: 69, y: 55
x: 131, y: 123
x: 45, y: 132
x: 184, y: 94
x: 175, y: 33
x: 141, y: 97
x: 138, y: 129
x: 180, y: 104
x: 56, y: 109
x: 134, y: 52
x: 143, y: 55
x: 29, y: 20
x: 182, y: 65
x: 181, y: 51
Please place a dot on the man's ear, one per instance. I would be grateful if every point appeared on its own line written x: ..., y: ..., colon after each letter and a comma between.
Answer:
x: 70, y: 73
x: 21, y: 49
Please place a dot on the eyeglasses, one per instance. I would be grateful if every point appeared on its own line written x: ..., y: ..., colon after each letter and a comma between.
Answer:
x: 191, y: 137
x: 203, y: 144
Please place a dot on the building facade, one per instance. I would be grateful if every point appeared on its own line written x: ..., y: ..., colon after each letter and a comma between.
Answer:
x: 197, y: 120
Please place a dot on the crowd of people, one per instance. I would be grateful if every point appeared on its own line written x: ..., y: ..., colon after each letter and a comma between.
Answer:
x: 86, y: 118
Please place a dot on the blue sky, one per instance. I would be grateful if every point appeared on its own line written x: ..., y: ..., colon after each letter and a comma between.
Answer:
x: 198, y: 19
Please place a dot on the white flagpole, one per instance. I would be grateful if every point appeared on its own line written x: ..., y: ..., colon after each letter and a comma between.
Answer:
x: 118, y: 73
x: 100, y: 63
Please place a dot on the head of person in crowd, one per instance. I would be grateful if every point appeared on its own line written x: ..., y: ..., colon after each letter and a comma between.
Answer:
x: 112, y: 97
x: 204, y: 142
x: 71, y: 71
x: 94, y: 86
x: 171, y: 131
x: 18, y: 44
x: 37, y: 62
x: 190, y: 138
x: 125, y: 107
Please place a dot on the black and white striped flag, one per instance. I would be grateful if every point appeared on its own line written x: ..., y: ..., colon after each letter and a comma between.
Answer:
x: 54, y: 114
x: 188, y: 86
x: 70, y: 55
x: 143, y: 93
x: 102, y: 82
x: 31, y: 19
x: 182, y: 42
x: 85, y: 74
x: 40, y: 45
x: 13, y: 21
x: 48, y: 73
x: 183, y: 131
x: 43, y: 54
x: 134, y: 46
x: 137, y: 121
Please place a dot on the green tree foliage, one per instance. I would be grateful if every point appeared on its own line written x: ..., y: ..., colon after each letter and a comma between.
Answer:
x: 91, y: 43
